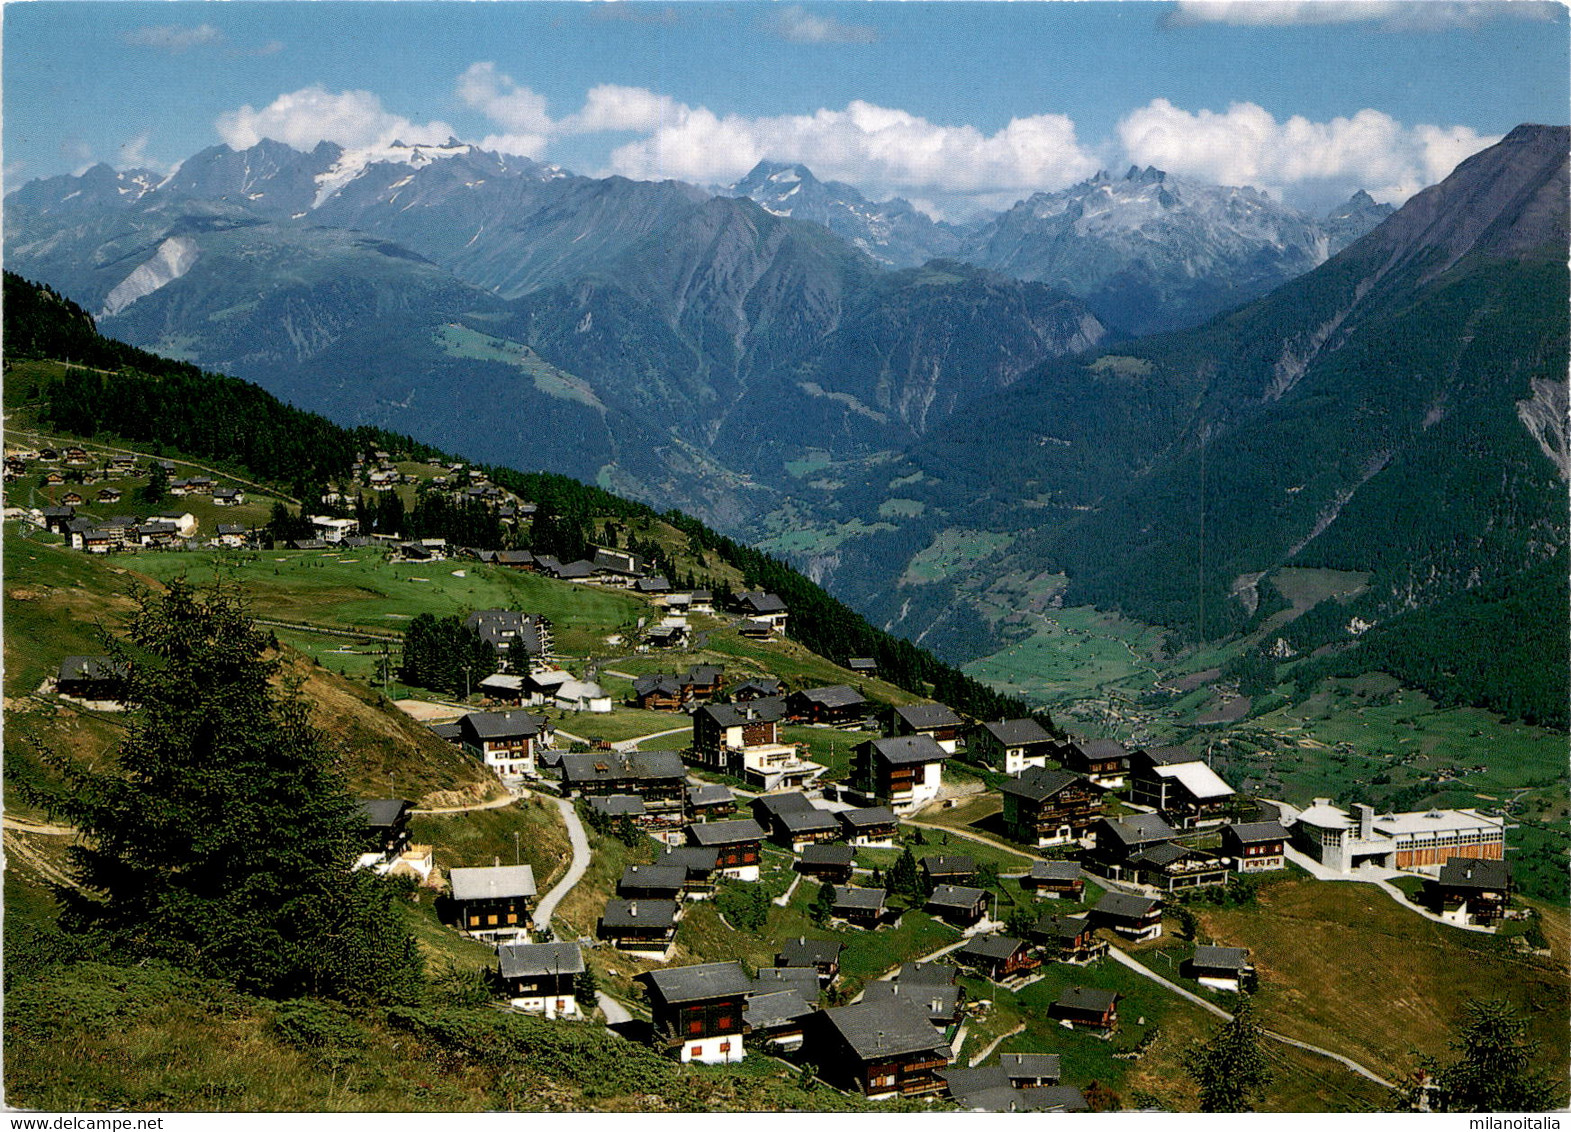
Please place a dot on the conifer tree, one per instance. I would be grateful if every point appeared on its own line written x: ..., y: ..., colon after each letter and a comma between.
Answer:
x: 1230, y: 1069
x: 1495, y: 1069
x: 223, y: 837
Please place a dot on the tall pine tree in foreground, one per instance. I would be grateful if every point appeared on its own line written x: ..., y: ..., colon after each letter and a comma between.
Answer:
x: 1231, y: 1068
x: 1497, y: 1067
x: 223, y: 840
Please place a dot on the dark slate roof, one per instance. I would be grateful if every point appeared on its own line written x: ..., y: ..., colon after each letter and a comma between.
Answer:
x: 1102, y: 748
x: 383, y: 813
x: 804, y: 952
x: 1256, y: 831
x: 802, y: 980
x: 500, y: 724
x: 920, y: 716
x: 492, y: 882
x: 974, y: 1092
x: 759, y: 602
x: 928, y: 974
x: 734, y: 715
x: 1161, y: 854
x: 967, y: 1083
x: 836, y: 853
x: 1138, y: 829
x: 651, y: 878
x: 867, y: 817
x: 579, y: 569
x: 525, y: 960
x: 698, y: 983
x: 660, y: 682
x: 1171, y: 756
x: 1017, y: 732
x: 884, y: 1028
x: 860, y: 899
x: 992, y: 946
x: 778, y: 1008
x: 757, y: 685
x: 1224, y: 958
x: 639, y: 913
x: 1038, y: 783
x: 1051, y: 925
x: 1475, y: 872
x: 950, y: 865
x: 603, y: 766
x: 1030, y: 1065
x: 834, y: 696
x: 956, y: 896
x: 514, y: 557
x: 1055, y: 870
x: 704, y: 673
x: 808, y: 821
x: 725, y: 832
x: 1124, y: 906
x: 709, y: 794
x: 658, y: 584
x: 793, y: 801
x: 694, y: 858
x: 939, y: 1000
x: 905, y: 750
x: 1088, y: 998
x: 91, y: 668
x: 619, y: 805
x: 449, y: 731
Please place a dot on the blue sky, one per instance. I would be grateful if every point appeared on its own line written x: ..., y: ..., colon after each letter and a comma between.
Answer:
x: 953, y: 105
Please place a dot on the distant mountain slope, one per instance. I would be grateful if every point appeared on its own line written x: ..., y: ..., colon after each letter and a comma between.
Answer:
x: 1399, y: 410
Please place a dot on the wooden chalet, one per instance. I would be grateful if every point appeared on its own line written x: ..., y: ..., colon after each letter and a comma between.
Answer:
x: 1133, y: 917
x: 1104, y: 761
x: 757, y: 606
x: 881, y: 1049
x: 1172, y: 867
x: 988, y: 1088
x: 1471, y: 890
x: 1067, y: 939
x: 700, y: 865
x: 1057, y: 880
x: 738, y: 842
x: 998, y: 956
x: 831, y: 863
x: 1119, y: 840
x: 778, y: 1020
x: 1012, y: 745
x: 957, y: 904
x: 699, y: 1011
x: 659, y: 692
x: 493, y: 901
x: 803, y: 981
x: 837, y: 704
x: 618, y: 565
x: 101, y: 679
x: 869, y: 826
x: 1178, y: 785
x: 951, y: 868
x: 506, y: 741
x: 652, y: 882
x: 1050, y: 807
x: 387, y: 825
x: 822, y: 955
x: 937, y: 721
x: 863, y: 907
x: 629, y: 806
x: 766, y: 807
x: 863, y: 666
x: 903, y: 772
x: 756, y: 688
x: 1087, y: 1008
x: 1255, y: 847
x: 702, y: 681
x: 646, y: 927
x: 1220, y: 968
x: 710, y: 800
x: 110, y: 495
x: 724, y: 733
x: 539, y: 977
x: 658, y: 777
x: 796, y: 830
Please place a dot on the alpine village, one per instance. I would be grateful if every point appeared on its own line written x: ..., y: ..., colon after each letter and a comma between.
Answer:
x: 346, y: 772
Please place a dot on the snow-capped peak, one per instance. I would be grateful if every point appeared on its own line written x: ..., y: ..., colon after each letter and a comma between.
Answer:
x: 353, y: 162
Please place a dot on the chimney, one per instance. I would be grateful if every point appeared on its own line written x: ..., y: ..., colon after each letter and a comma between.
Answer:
x: 632, y: 909
x: 1366, y: 821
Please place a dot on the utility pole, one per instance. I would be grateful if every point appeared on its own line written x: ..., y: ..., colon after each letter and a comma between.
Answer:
x: 517, y: 858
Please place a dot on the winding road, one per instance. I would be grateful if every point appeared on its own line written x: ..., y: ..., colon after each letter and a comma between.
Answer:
x: 575, y: 871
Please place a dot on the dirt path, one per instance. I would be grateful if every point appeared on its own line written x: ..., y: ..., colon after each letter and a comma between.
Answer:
x: 262, y: 487
x: 575, y: 871
x: 493, y: 804
x: 28, y: 825
x: 23, y: 853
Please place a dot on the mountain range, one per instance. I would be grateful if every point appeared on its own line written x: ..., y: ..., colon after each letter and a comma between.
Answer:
x: 858, y: 384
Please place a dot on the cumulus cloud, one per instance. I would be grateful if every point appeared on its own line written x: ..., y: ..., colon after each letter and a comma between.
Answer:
x: 354, y: 119
x: 609, y: 108
x: 882, y: 150
x: 1245, y: 145
x: 796, y: 24
x: 516, y: 108
x: 173, y: 38
x: 1392, y: 15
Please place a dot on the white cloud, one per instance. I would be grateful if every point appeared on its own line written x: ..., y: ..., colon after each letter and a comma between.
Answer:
x: 1245, y: 145
x: 173, y: 38
x: 622, y: 108
x: 881, y: 150
x: 516, y: 108
x: 354, y: 119
x: 795, y: 24
x: 1392, y: 15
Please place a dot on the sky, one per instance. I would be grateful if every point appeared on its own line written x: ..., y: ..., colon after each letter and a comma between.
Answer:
x: 956, y: 106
